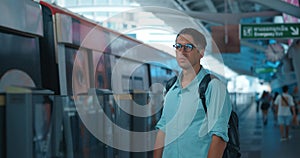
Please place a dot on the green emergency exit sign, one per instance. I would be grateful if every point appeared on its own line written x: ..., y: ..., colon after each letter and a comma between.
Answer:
x: 265, y: 70
x: 269, y: 31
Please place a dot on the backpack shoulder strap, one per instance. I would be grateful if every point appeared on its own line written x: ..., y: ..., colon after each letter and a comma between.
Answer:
x: 170, y: 83
x: 284, y: 99
x: 202, y: 88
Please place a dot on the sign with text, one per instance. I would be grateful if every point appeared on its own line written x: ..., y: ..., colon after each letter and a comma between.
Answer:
x: 269, y: 31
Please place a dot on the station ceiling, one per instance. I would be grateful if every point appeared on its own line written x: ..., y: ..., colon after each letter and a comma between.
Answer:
x: 253, y: 57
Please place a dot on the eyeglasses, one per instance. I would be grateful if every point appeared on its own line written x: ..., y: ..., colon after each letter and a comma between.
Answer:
x: 187, y: 47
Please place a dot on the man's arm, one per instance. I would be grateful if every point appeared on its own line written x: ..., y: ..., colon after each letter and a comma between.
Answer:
x: 219, y: 109
x: 294, y: 111
x: 159, y: 144
x: 293, y: 106
x: 216, y: 148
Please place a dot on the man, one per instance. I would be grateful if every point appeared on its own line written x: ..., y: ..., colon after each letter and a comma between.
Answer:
x: 185, y: 130
x: 284, y: 102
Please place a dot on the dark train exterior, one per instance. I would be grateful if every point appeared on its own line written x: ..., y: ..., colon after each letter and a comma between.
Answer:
x: 61, y: 74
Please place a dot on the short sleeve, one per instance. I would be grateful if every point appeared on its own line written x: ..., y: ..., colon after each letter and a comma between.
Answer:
x: 161, y: 124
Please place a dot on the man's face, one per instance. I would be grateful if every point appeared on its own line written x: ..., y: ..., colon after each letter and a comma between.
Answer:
x: 187, y: 58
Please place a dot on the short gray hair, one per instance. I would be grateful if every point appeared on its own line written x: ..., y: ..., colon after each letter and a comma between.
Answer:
x: 198, y: 37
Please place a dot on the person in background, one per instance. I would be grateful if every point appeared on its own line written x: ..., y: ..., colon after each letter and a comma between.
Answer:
x: 184, y: 129
x: 294, y: 94
x: 257, y: 101
x: 285, y: 103
x: 265, y: 104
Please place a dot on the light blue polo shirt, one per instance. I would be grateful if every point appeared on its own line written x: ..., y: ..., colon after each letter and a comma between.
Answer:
x: 188, y: 130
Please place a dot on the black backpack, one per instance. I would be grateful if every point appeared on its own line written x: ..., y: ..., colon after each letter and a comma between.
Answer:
x: 232, y: 149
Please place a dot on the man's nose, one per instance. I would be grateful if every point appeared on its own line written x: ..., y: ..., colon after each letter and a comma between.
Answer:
x: 182, y: 51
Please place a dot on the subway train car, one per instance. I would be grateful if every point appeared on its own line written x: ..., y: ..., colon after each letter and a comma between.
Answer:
x: 72, y: 88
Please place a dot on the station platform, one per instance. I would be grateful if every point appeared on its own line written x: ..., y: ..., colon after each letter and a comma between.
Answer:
x: 263, y: 141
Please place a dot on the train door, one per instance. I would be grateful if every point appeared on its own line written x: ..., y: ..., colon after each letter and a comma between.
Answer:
x: 79, y: 50
x: 80, y: 67
x: 20, y: 27
x: 130, y: 83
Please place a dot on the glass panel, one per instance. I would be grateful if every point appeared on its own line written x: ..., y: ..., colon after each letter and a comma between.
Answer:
x: 85, y: 2
x: 97, y: 2
x: 77, y: 71
x: 16, y: 53
x: 42, y: 113
x: 102, y: 70
x: 116, y: 2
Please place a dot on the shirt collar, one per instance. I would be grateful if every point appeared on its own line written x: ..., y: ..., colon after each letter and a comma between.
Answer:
x: 197, y: 79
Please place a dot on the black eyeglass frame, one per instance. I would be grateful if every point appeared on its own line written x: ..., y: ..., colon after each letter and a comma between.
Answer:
x: 187, y: 46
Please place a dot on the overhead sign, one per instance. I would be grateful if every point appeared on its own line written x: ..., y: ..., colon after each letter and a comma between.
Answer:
x: 269, y: 31
x: 265, y: 70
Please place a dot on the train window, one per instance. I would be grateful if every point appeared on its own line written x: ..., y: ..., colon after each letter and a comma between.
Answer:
x: 102, y: 69
x: 138, y: 83
x: 77, y: 70
x: 70, y: 59
x: 129, y: 75
x: 130, y: 83
x: 140, y: 77
x: 160, y: 74
x: 17, y: 51
x: 100, y: 81
x: 76, y: 29
x: 126, y: 83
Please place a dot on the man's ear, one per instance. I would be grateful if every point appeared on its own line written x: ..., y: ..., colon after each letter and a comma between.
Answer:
x: 201, y: 51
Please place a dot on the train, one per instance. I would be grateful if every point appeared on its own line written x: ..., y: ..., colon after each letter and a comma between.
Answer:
x: 72, y: 88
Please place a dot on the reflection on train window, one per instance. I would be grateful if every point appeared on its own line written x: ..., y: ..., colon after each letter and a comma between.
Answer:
x: 77, y: 71
x: 79, y: 76
x: 160, y: 74
x: 130, y: 83
x: 102, y: 69
x: 138, y: 83
x: 70, y: 58
x: 100, y: 81
x: 16, y: 52
x: 126, y: 83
